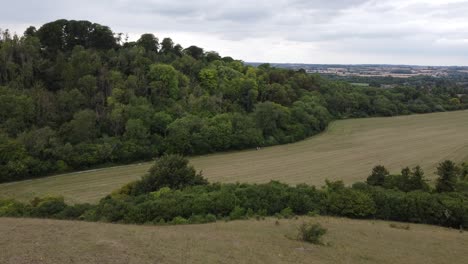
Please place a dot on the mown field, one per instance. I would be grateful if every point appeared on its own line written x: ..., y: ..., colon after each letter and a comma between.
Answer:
x: 249, y: 241
x: 346, y: 151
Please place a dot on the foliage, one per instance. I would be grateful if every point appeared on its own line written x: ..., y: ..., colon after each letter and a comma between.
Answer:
x: 191, y: 202
x: 171, y: 171
x: 311, y: 233
x: 377, y: 177
x: 448, y: 173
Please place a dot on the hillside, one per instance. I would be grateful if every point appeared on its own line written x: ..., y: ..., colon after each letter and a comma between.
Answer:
x: 250, y: 241
x: 346, y: 151
x: 74, y: 95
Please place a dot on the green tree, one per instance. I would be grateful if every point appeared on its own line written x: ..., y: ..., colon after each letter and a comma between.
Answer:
x: 149, y: 42
x: 82, y: 128
x: 417, y: 180
x: 164, y: 82
x: 171, y: 171
x: 209, y: 79
x: 136, y: 130
x: 448, y: 174
x: 377, y: 177
x: 272, y: 119
x: 195, y: 52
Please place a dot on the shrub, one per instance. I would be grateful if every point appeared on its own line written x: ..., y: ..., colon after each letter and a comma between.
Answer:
x: 350, y: 203
x: 210, y: 218
x: 237, y: 213
x: 196, y: 219
x: 112, y: 209
x: 313, y: 213
x: 47, y: 207
x: 311, y: 233
x: 11, y: 208
x: 287, y: 212
x: 170, y: 171
x: 179, y: 220
x: 74, y: 211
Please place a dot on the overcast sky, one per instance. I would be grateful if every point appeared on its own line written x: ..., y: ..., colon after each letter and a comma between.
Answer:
x: 423, y: 32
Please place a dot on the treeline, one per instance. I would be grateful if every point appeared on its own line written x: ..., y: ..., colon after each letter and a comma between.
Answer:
x: 75, y: 95
x: 420, y: 82
x: 174, y: 193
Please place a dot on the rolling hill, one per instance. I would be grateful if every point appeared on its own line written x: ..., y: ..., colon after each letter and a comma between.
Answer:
x: 346, y: 151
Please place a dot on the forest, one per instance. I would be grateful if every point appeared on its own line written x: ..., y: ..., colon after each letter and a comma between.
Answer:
x: 76, y: 95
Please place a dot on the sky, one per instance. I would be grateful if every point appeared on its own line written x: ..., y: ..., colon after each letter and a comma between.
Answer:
x: 416, y: 32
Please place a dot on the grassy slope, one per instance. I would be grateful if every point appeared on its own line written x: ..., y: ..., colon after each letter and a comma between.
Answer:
x: 250, y: 241
x: 347, y: 151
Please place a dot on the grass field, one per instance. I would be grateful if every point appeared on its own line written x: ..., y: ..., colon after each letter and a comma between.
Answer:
x: 249, y: 241
x: 346, y: 151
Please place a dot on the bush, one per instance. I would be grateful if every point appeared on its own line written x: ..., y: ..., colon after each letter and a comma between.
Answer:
x: 311, y: 233
x: 74, y: 211
x: 350, y: 203
x: 170, y: 171
x: 47, y: 207
x: 312, y: 213
x: 210, y: 218
x: 11, y: 208
x: 179, y: 220
x: 237, y: 213
x: 287, y: 213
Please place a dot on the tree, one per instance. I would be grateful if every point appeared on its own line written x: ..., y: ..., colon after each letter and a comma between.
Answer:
x: 416, y: 179
x: 377, y: 177
x: 30, y: 32
x: 64, y: 35
x: 164, y: 82
x: 448, y: 173
x: 149, y: 42
x: 82, y: 128
x: 195, y: 52
x: 212, y: 56
x: 209, y: 79
x: 167, y: 46
x: 136, y: 130
x: 170, y: 171
x: 272, y: 119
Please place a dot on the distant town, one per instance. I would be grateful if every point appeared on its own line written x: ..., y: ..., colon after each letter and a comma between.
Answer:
x: 376, y: 70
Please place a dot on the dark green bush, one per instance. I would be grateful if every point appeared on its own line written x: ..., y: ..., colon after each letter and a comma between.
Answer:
x: 311, y: 233
x: 11, y: 208
x: 170, y: 171
x: 350, y: 203
x: 237, y: 213
x: 47, y: 207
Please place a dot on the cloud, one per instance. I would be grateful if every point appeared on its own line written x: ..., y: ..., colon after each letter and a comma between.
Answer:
x: 309, y: 31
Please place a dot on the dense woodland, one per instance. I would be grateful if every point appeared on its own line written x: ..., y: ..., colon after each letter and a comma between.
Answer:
x: 174, y: 193
x: 74, y: 95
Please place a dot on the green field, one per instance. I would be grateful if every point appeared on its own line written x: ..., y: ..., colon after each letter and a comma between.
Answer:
x: 346, y: 151
x: 246, y: 241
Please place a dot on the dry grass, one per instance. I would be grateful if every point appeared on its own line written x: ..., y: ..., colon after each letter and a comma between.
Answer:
x: 250, y: 241
x: 347, y: 151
